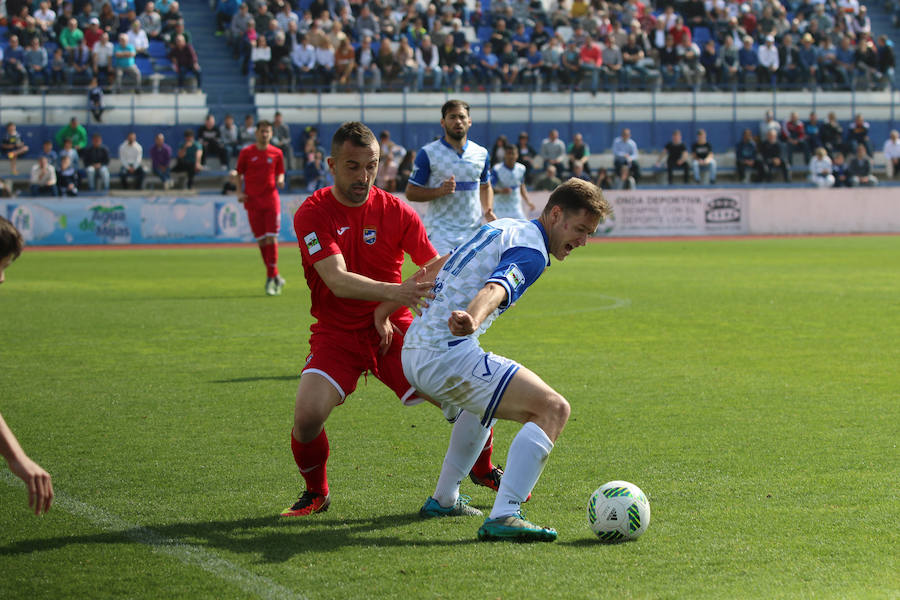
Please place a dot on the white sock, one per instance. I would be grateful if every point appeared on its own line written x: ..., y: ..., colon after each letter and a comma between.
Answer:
x: 466, y: 442
x: 527, y: 456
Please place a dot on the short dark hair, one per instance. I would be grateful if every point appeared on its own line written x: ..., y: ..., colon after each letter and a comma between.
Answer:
x: 575, y: 195
x: 451, y: 104
x: 264, y: 123
x: 354, y: 132
x: 11, y: 241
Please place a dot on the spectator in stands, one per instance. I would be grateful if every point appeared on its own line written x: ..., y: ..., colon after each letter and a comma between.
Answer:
x: 833, y: 135
x: 813, y: 131
x: 858, y: 135
x: 45, y: 18
x: 387, y: 64
x: 509, y: 69
x: 13, y: 146
x: 315, y: 173
x: 827, y: 64
x: 526, y: 155
x: 633, y: 62
x: 14, y: 63
x: 37, y: 64
x: 489, y: 69
x: 749, y: 64
x: 247, y: 132
x: 325, y: 63
x: 92, y: 32
x: 74, y: 158
x: 711, y: 63
x: 189, y: 157
x: 367, y: 67
x: 225, y: 11
x: 675, y: 155
x: 703, y: 160
x: 768, y: 62
x: 820, y: 169
x: 579, y: 153
x: 860, y: 169
x: 161, y: 160
x: 78, y: 70
x: 498, y: 150
x: 728, y: 59
x: 345, y: 65
x: 109, y: 20
x: 236, y: 35
x: 151, y: 21
x: 171, y: 18
x: 123, y: 60
x: 747, y: 158
x: 95, y: 100
x: 57, y: 69
x: 70, y: 37
x: 845, y: 64
x: 625, y: 154
x: 448, y: 57
x: 840, y: 171
x: 691, y: 69
x: 553, y: 151
x: 790, y: 68
x: 570, y: 66
x: 808, y: 62
x: 67, y: 177
x: 51, y: 154
x: 867, y: 63
x: 367, y: 24
x: 210, y: 140
x: 96, y: 160
x: 613, y: 62
x: 73, y: 131
x: 138, y: 39
x: 794, y: 134
x: 230, y: 135
x: 131, y: 155
x: 386, y: 178
x: 548, y: 181
x: 773, y: 155
x: 892, y: 154
x: 623, y: 179
x: 303, y: 61
x: 43, y: 179
x: 184, y: 61
x: 591, y: 59
x: 670, y: 63
x: 280, y: 67
x: 102, y: 59
x: 579, y: 173
x: 281, y: 139
x: 428, y: 65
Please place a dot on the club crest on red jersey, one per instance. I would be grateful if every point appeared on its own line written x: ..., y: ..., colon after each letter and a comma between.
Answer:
x: 369, y: 235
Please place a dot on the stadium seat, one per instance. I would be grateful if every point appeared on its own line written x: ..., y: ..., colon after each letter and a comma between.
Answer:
x: 157, y: 49
x: 484, y: 32
x: 144, y: 65
x: 701, y: 35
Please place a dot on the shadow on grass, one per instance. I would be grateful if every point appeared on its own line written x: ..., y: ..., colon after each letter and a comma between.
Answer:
x: 272, y: 538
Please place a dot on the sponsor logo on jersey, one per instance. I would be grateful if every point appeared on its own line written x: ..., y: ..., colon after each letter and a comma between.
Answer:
x: 369, y: 235
x: 312, y: 243
x: 514, y: 276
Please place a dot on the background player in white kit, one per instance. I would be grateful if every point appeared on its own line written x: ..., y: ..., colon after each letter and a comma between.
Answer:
x: 508, y: 181
x: 452, y: 174
x: 442, y: 358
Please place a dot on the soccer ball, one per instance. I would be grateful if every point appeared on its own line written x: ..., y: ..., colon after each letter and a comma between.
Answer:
x: 618, y: 511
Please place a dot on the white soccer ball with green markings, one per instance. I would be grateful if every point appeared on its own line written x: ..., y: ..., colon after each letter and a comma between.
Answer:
x: 618, y: 511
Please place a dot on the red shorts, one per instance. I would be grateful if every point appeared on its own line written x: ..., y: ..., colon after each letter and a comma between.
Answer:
x: 264, y: 221
x: 342, y: 356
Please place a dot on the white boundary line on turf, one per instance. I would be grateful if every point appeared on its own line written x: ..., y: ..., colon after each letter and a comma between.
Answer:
x: 195, y: 556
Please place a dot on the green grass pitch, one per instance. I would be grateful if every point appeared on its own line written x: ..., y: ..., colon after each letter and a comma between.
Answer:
x: 750, y: 387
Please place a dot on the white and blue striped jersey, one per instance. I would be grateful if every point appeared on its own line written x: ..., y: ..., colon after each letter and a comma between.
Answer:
x: 509, y: 252
x: 508, y: 205
x: 457, y: 215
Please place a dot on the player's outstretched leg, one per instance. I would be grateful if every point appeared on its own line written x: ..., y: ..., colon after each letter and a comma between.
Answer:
x: 544, y: 413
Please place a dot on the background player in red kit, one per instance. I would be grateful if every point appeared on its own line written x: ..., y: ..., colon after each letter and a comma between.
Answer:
x: 260, y: 169
x: 352, y: 238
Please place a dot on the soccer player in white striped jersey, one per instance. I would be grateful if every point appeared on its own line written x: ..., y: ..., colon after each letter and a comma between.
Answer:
x: 452, y: 174
x: 443, y: 359
x: 508, y: 181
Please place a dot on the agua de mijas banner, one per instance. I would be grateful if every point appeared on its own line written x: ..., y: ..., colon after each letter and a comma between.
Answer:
x: 656, y: 212
x: 137, y: 220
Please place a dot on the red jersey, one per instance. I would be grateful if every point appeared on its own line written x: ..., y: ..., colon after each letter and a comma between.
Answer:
x: 372, y: 239
x: 260, y: 169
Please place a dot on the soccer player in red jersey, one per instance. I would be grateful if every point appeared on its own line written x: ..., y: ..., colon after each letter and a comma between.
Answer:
x: 352, y: 238
x: 260, y: 170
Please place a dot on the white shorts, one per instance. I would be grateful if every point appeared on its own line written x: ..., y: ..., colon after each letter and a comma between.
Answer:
x: 444, y: 243
x: 462, y: 377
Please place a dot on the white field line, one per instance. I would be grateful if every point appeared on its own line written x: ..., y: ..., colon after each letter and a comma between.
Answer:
x: 195, y: 556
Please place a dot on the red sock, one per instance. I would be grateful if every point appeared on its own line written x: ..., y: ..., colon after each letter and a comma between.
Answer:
x: 270, y: 259
x: 311, y: 459
x: 483, y: 465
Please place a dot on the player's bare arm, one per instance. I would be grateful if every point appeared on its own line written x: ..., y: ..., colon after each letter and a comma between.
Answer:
x: 485, y: 302
x: 487, y: 202
x: 37, y: 480
x: 525, y: 197
x: 417, y: 193
x: 412, y: 293
x: 279, y: 181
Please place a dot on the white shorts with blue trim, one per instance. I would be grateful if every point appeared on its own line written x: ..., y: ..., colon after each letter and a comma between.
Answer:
x: 462, y: 377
